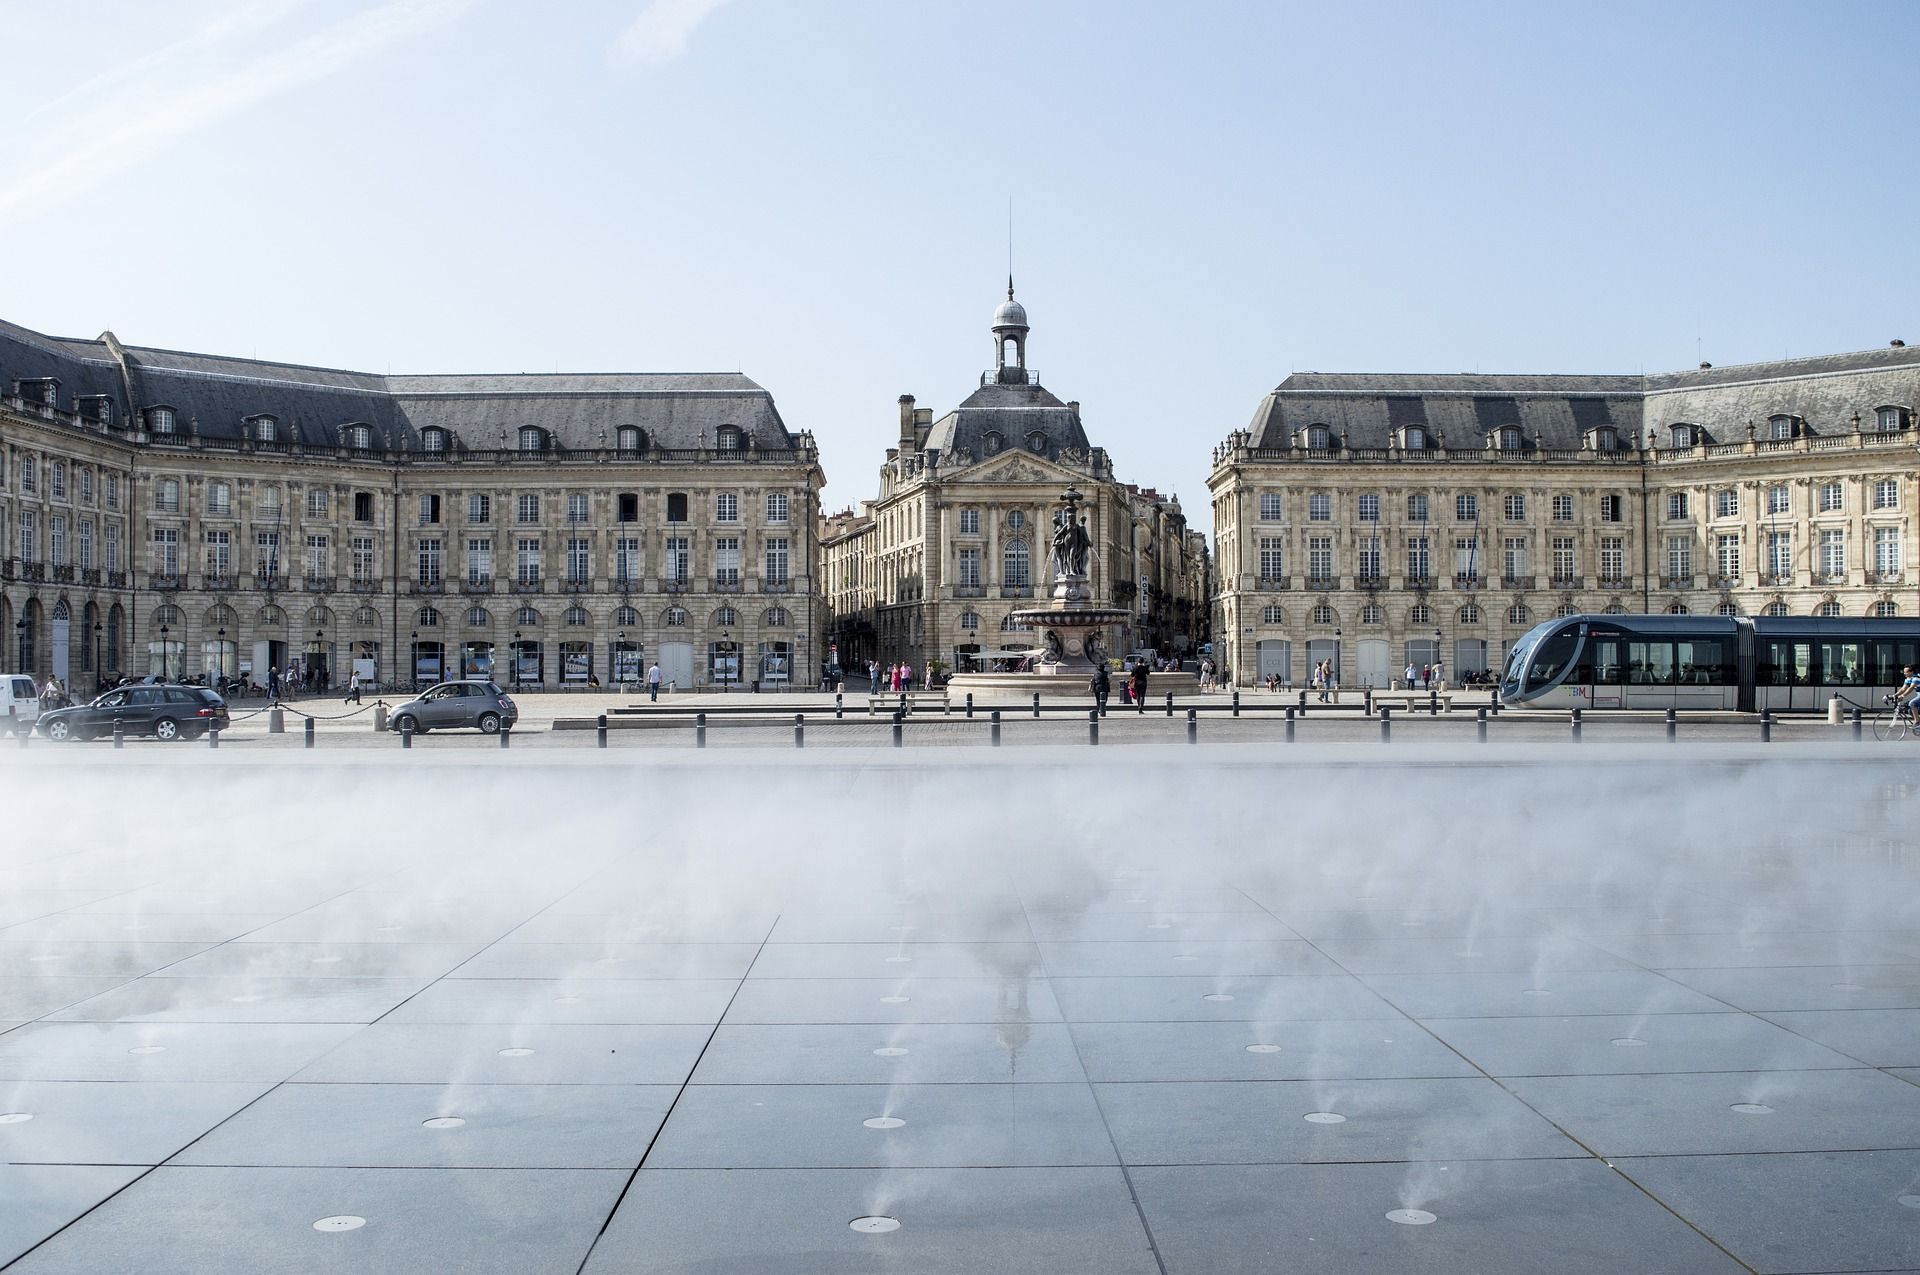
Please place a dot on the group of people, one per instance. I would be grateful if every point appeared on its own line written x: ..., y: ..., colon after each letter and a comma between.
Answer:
x: 1325, y: 680
x: 1134, y: 689
x: 1427, y: 675
x: 54, y: 694
x: 892, y: 677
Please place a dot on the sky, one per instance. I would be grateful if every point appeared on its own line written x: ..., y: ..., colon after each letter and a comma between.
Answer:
x: 1204, y: 196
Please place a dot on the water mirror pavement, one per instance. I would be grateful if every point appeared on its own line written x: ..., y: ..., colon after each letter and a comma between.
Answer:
x: 1152, y: 1010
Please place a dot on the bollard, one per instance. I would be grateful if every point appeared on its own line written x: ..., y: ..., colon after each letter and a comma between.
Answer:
x: 699, y: 730
x: 1236, y: 701
x: 213, y: 738
x: 969, y: 703
x: 898, y: 731
x: 1766, y: 725
x: 1855, y: 716
x: 506, y: 737
x: 119, y: 733
x: 600, y: 731
x: 1480, y: 724
x: 1386, y: 723
x: 1036, y: 703
x: 1673, y: 726
x: 1093, y: 726
x: 1289, y: 725
x: 1193, y: 726
x: 839, y: 704
x: 276, y: 721
x: 1833, y: 710
x: 379, y: 717
x: 1169, y: 703
x: 1576, y: 725
x: 996, y: 728
x: 308, y: 732
x: 1303, y: 698
x: 1366, y: 702
x: 799, y: 730
x: 1433, y: 704
x: 406, y: 732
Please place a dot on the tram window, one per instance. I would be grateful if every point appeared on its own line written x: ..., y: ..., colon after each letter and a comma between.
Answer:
x: 1703, y: 662
x: 1841, y: 664
x: 1551, y: 656
x: 1605, y: 657
x: 1783, y: 663
x: 1650, y: 663
x: 1886, y: 659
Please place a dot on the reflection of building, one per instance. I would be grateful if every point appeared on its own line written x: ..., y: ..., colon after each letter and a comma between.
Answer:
x: 958, y: 538
x: 1382, y: 519
x: 190, y: 513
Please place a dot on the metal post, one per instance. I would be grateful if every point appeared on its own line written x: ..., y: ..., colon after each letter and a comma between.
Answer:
x: 1236, y: 701
x: 699, y: 730
x: 1386, y: 723
x: 996, y: 728
x: 1169, y: 703
x: 1766, y: 725
x: 1856, y: 723
x: 969, y: 703
x: 1289, y: 725
x: 1193, y: 726
x: 119, y: 733
x: 1303, y: 698
x: 799, y: 730
x: 406, y: 732
x: 899, y: 729
x: 1433, y: 703
x: 1366, y: 702
x: 1673, y: 726
x: 506, y: 737
x: 1576, y: 725
x: 1036, y: 703
x: 839, y: 704
x: 1093, y: 726
x: 308, y: 732
x: 600, y: 731
x: 1480, y: 724
x: 213, y: 738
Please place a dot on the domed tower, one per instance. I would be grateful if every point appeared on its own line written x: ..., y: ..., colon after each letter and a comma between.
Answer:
x: 1010, y: 336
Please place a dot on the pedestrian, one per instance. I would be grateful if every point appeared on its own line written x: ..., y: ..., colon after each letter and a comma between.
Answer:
x: 873, y: 677
x: 353, y: 687
x: 653, y: 681
x: 906, y: 675
x: 1439, y: 676
x: 1426, y: 676
x: 1102, y: 686
x: 1140, y: 682
x: 273, y: 684
x: 1409, y: 674
x: 1322, y: 676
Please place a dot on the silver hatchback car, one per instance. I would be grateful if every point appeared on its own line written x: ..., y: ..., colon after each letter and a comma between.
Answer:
x: 479, y: 704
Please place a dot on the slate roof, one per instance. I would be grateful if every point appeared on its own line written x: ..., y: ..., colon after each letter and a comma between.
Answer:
x: 217, y: 395
x: 1015, y: 412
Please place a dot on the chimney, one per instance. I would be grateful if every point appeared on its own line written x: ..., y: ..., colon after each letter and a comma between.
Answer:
x: 922, y: 425
x: 1074, y: 407
x: 1705, y: 366
x: 1897, y: 344
x: 906, y: 422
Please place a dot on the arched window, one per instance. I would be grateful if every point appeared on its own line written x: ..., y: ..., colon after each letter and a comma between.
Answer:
x: 1272, y: 615
x: 1886, y: 610
x: 160, y: 420
x: 577, y: 616
x: 1008, y: 624
x: 1509, y: 438
x: 1416, y: 438
x: 726, y: 617
x: 1564, y: 610
x: 1677, y: 608
x: 266, y: 429
x: 359, y: 437
x: 993, y: 442
x: 1727, y: 608
x: 1517, y: 614
x: 526, y: 615
x: 1781, y: 427
x: 433, y: 439
x: 1037, y: 442
x: 675, y: 618
x: 220, y: 617
x: 1680, y: 435
x: 626, y: 617
x: 533, y: 438
x: 270, y: 617
x: 1828, y: 610
x: 1319, y: 438
x: 477, y: 618
x: 1016, y: 567
x: 1419, y: 613
x: 1606, y: 438
x: 1614, y: 608
x: 629, y: 438
x: 366, y: 617
x: 426, y: 618
x: 1888, y: 420
x: 1775, y: 609
x: 1322, y: 614
x: 727, y: 438
x: 1371, y: 613
x: 169, y: 615
x: 775, y: 618
x: 1470, y: 614
x: 969, y: 621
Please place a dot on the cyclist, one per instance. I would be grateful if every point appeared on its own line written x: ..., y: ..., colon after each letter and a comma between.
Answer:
x: 1904, y: 695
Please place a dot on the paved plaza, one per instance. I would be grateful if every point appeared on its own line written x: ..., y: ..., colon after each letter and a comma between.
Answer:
x: 1246, y: 1008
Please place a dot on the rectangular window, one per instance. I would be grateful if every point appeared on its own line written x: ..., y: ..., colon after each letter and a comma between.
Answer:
x: 1016, y: 566
x: 1563, y: 508
x: 1513, y: 557
x: 479, y: 507
x: 527, y: 510
x: 1886, y: 494
x: 628, y: 507
x: 219, y: 553
x: 577, y: 507
x: 57, y: 480
x: 429, y: 561
x: 84, y: 545
x: 319, y: 560
x: 1419, y: 564
x: 363, y: 558
x: 1680, y: 557
x: 969, y: 522
x: 219, y: 500
x: 1610, y: 508
x: 678, y: 562
x: 1320, y: 558
x: 1727, y: 556
x: 579, y: 559
x: 726, y: 560
x: 1369, y: 507
x: 166, y: 550
x: 1886, y: 551
x: 1320, y: 507
x: 526, y: 560
x: 1514, y: 508
x: 1466, y: 557
x: 363, y: 506
x: 1417, y: 507
x: 1776, y: 500
x: 777, y: 508
x: 1466, y: 508
x: 479, y: 560
x: 626, y: 558
x: 1833, y: 553
x: 166, y: 496
x: 1830, y: 498
x: 266, y: 555
x: 1273, y: 558
x: 1676, y: 506
x: 1613, y: 559
x: 29, y: 473
x: 1779, y: 554
x: 1272, y: 506
x: 86, y: 486
x: 316, y: 502
x: 113, y: 491
x: 57, y: 540
x: 1369, y: 558
x: 777, y: 560
x: 1563, y: 558
x: 1726, y: 503
x: 969, y: 567
x: 113, y: 546
x: 429, y: 510
x: 726, y: 506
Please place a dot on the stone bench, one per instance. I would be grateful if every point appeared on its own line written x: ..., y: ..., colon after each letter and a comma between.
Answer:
x: 915, y: 701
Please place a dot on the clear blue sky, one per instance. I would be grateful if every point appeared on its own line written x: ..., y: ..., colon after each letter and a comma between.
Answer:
x: 1207, y: 196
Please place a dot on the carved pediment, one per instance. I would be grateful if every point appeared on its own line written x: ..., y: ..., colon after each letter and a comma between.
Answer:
x: 1015, y: 469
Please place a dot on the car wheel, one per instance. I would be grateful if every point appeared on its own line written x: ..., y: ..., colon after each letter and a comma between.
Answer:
x: 489, y: 723
x: 166, y: 730
x: 407, y: 722
x: 59, y: 732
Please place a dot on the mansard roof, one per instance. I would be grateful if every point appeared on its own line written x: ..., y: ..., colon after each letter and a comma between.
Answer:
x: 1015, y: 413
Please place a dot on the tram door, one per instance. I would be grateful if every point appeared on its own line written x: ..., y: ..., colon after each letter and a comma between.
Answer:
x: 1783, y: 674
x: 1649, y: 675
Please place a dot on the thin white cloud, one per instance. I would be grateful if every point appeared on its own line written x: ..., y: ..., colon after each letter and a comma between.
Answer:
x: 86, y: 149
x: 661, y: 32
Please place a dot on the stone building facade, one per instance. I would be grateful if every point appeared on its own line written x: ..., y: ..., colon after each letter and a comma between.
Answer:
x: 197, y: 515
x: 959, y: 536
x: 1380, y: 520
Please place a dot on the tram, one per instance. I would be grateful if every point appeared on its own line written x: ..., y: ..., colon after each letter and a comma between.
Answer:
x: 1749, y: 664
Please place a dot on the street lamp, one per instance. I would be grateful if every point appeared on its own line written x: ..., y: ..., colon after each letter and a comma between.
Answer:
x: 514, y: 654
x: 98, y: 672
x: 726, y: 649
x: 166, y: 654
x: 221, y: 656
x: 619, y: 657
x: 1336, y: 655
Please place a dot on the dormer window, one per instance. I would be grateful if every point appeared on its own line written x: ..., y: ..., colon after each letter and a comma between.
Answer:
x: 727, y: 438
x: 160, y: 420
x: 629, y: 438
x: 1319, y: 438
x: 533, y: 438
x: 1780, y: 428
x: 1889, y: 420
x: 266, y: 429
x: 1508, y: 440
x: 1037, y: 442
x: 1680, y: 436
x: 43, y: 389
x: 994, y: 442
x: 358, y: 437
x: 433, y: 440
x: 1605, y: 439
x: 1416, y: 438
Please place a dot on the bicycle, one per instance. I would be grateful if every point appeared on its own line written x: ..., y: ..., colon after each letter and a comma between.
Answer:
x: 1896, y: 721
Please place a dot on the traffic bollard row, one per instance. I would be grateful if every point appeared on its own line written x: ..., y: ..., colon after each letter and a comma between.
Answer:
x: 839, y: 704
x: 969, y: 703
x: 119, y: 734
x: 1856, y: 723
x: 213, y: 738
x: 1576, y: 725
x: 899, y: 732
x: 308, y: 732
x: 1036, y: 703
x: 1169, y: 703
x: 406, y: 732
x: 1766, y: 725
x: 1236, y: 701
x: 506, y: 737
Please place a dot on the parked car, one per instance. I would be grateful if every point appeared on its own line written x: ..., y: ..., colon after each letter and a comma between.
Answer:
x: 469, y: 702
x: 19, y: 702
x: 167, y: 712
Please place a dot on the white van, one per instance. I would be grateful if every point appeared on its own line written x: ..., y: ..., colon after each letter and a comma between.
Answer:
x: 19, y: 702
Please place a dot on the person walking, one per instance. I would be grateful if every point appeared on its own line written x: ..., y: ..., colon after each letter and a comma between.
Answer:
x: 1140, y: 672
x: 353, y: 688
x: 273, y: 684
x: 1440, y: 676
x: 1102, y: 686
x: 1409, y: 674
x: 653, y: 682
x: 873, y: 677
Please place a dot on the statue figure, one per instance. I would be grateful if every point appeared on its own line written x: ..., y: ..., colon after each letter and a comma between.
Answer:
x: 1070, y: 544
x: 1096, y: 649
x: 1054, y: 653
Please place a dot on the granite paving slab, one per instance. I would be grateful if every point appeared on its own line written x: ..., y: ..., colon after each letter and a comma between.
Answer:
x: 81, y: 958
x: 326, y: 960
x: 103, y: 1122
x: 511, y: 1053
x: 1553, y: 993
x: 1673, y: 1042
x: 1184, y: 960
x: 162, y: 998
x: 1746, y: 950
x: 1765, y: 988
x: 145, y: 927
x: 880, y: 960
x: 42, y: 1198
x: 935, y: 1053
x: 1877, y: 1037
x: 610, y: 960
x: 1456, y: 955
x: 903, y: 999
x: 1157, y: 927
x: 226, y: 1052
x: 499, y: 1000
x: 815, y: 926
x: 1218, y: 998
x: 664, y: 927
x: 31, y: 996
x: 1326, y: 1049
